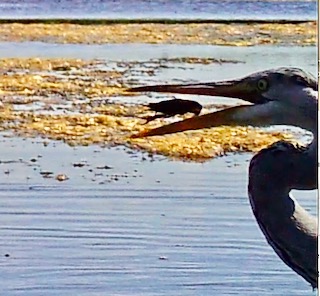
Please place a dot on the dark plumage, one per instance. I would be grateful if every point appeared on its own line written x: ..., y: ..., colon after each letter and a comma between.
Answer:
x: 173, y: 107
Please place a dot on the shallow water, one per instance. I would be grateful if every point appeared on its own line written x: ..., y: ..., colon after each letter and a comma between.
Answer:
x: 140, y: 227
x: 168, y: 228
x: 199, y: 9
x: 255, y: 58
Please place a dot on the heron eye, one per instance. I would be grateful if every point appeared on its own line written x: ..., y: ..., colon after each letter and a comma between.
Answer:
x: 262, y: 84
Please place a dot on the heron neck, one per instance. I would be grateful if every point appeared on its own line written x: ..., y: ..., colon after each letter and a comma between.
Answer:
x: 309, y: 113
x: 305, y: 174
x: 289, y: 229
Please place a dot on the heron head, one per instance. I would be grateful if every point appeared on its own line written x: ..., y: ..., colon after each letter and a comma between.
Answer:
x: 288, y: 86
x: 286, y: 96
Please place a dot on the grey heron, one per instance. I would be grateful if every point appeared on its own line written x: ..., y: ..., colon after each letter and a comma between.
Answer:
x: 283, y: 96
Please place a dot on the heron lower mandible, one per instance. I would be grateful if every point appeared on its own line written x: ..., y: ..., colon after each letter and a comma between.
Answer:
x: 283, y: 96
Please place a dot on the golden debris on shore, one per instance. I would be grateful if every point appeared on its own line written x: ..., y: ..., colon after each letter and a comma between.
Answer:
x: 37, y: 64
x: 233, y: 34
x: 60, y: 109
x: 36, y: 77
x: 115, y: 129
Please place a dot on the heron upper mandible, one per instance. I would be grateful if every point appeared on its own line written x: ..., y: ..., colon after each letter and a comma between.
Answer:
x: 283, y: 96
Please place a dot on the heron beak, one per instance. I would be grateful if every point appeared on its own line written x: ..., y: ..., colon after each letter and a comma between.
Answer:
x: 238, y: 88
x: 244, y: 115
x: 258, y: 114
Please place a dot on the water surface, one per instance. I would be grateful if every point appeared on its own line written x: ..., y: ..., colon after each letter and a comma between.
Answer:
x: 180, y: 9
x: 169, y: 228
